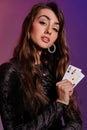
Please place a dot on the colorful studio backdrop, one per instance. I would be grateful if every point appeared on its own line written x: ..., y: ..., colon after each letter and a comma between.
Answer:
x: 12, y: 14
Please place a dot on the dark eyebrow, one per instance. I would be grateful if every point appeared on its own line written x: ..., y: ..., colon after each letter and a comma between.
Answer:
x: 45, y: 16
x: 48, y: 18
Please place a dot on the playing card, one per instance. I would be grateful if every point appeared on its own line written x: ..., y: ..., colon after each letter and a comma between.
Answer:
x: 71, y: 69
x: 74, y: 75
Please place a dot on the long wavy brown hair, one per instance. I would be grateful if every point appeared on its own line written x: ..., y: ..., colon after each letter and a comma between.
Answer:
x: 26, y: 52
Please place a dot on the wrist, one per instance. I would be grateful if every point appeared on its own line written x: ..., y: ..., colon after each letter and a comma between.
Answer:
x: 60, y: 101
x: 62, y: 104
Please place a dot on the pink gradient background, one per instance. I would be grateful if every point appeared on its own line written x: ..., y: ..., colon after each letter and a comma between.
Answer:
x: 12, y: 14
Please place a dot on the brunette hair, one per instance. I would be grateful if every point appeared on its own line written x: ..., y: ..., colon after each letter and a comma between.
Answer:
x: 25, y: 53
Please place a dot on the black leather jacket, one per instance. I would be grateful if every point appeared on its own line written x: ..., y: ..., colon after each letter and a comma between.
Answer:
x: 12, y: 109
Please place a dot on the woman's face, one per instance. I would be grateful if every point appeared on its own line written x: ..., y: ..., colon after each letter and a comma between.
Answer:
x: 45, y: 28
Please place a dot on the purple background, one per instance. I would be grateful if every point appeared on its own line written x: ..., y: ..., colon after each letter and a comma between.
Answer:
x: 12, y: 14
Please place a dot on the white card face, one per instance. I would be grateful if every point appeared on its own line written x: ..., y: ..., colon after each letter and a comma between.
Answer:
x: 73, y: 74
x: 70, y: 69
x: 76, y: 77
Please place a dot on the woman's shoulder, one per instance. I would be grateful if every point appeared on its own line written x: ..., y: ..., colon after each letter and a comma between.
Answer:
x: 9, y: 77
x: 8, y: 69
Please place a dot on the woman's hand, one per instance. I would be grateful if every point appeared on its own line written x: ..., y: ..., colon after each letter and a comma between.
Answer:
x: 64, y: 90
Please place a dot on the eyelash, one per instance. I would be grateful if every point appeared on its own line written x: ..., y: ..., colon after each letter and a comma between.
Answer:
x: 43, y: 23
x: 56, y: 30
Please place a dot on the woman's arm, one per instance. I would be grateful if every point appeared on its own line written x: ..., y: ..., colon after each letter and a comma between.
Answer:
x: 11, y: 105
x: 73, y: 124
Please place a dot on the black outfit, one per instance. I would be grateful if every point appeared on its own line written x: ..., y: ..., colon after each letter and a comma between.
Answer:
x: 13, y: 113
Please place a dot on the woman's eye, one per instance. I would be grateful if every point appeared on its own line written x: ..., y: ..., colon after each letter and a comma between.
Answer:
x: 56, y: 30
x: 42, y: 22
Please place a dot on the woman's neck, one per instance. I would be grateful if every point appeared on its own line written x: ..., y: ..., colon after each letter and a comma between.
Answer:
x: 37, y: 58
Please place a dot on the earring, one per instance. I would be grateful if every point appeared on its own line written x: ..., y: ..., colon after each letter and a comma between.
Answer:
x: 28, y: 35
x: 52, y: 49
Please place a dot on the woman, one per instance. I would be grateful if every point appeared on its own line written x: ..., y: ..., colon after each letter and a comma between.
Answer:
x: 33, y: 95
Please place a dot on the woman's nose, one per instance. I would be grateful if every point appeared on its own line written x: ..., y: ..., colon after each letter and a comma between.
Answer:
x: 48, y: 30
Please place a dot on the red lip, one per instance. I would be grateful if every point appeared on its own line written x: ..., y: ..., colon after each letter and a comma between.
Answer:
x: 45, y: 39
